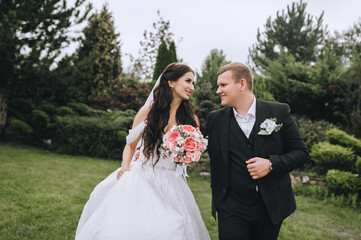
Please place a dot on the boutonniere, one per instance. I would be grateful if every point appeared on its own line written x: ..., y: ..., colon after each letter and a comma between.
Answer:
x: 269, y: 126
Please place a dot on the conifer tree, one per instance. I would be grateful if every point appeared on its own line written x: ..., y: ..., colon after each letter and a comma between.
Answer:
x: 164, y: 57
x: 213, y: 62
x: 99, y: 57
x: 294, y: 30
x: 144, y: 64
x: 205, y: 101
x: 173, y: 53
x: 40, y: 28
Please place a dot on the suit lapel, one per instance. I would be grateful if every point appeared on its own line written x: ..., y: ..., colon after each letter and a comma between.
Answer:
x: 224, y: 132
x: 262, y: 111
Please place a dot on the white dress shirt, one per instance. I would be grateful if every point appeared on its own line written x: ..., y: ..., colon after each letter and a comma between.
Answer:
x: 247, y: 123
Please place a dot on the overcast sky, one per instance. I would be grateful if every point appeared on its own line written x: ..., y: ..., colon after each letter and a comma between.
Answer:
x: 228, y: 25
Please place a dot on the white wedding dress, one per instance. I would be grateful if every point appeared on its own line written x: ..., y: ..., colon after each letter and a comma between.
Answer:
x: 145, y: 203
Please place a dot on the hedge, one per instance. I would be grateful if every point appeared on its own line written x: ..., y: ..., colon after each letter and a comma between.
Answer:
x: 64, y: 111
x: 20, y: 127
x: 336, y: 136
x: 49, y: 108
x: 343, y: 183
x: 312, y: 131
x: 81, y: 108
x: 21, y: 109
x: 358, y: 166
x: 328, y: 156
x: 91, y: 136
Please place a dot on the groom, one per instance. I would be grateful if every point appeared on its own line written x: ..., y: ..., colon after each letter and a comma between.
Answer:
x: 253, y: 145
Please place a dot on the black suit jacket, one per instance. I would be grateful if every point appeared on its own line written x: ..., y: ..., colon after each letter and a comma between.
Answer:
x: 286, y: 149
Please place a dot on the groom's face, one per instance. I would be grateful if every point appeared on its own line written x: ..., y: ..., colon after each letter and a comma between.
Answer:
x: 228, y: 89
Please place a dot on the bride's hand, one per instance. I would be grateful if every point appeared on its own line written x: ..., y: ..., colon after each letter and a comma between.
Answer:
x: 121, y: 171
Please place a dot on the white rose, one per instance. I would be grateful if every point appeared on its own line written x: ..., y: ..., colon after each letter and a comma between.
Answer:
x: 269, y: 122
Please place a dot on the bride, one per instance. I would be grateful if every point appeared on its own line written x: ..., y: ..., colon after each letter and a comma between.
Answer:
x: 149, y: 198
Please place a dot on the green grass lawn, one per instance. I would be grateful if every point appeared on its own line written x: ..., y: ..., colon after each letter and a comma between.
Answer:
x: 42, y: 195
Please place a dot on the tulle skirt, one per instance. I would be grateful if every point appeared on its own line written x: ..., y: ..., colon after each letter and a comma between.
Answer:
x: 144, y: 203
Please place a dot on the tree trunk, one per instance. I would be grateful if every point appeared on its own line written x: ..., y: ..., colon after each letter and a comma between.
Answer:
x: 3, y: 111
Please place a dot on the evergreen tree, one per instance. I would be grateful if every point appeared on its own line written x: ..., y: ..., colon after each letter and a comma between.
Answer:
x: 297, y: 32
x: 143, y: 66
x: 261, y: 88
x: 351, y: 110
x: 164, y: 57
x: 173, y: 52
x: 40, y: 28
x: 98, y: 57
x: 205, y: 101
x: 213, y: 62
x: 292, y: 82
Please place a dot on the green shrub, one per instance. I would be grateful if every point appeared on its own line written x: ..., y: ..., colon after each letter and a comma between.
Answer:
x: 318, y: 191
x: 312, y: 131
x: 20, y: 127
x: 328, y: 156
x: 40, y: 121
x: 123, y: 119
x: 81, y: 108
x: 22, y: 105
x: 322, y: 193
x: 65, y: 111
x: 343, y: 183
x: 125, y: 122
x: 358, y: 166
x: 336, y: 136
x: 122, y: 135
x: 49, y: 109
x: 21, y: 109
x: 91, y: 136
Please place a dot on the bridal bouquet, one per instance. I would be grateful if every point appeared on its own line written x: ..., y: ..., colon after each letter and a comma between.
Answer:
x: 184, y: 144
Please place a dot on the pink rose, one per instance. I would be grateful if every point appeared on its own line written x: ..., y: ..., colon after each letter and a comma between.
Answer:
x: 173, y: 136
x: 187, y: 160
x: 188, y: 128
x: 176, y: 159
x: 190, y: 144
x: 197, y: 155
x: 200, y: 146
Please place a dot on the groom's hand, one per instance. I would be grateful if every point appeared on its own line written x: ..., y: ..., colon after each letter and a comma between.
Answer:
x: 258, y: 167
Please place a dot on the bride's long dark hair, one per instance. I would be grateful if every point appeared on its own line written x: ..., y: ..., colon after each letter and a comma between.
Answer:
x: 158, y: 115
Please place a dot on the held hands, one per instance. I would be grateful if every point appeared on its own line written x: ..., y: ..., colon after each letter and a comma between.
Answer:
x: 258, y: 167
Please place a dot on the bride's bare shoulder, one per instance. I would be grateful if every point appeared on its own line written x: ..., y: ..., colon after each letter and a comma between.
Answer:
x: 141, y: 115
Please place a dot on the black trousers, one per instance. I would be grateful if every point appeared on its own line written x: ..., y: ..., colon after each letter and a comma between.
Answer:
x: 240, y: 220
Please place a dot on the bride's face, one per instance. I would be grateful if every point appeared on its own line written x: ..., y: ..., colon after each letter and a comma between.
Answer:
x: 183, y: 87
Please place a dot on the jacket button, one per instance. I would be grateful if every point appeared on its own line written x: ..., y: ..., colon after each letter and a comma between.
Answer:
x: 224, y: 190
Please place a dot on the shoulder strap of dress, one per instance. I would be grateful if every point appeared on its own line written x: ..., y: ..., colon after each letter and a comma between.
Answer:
x: 135, y: 132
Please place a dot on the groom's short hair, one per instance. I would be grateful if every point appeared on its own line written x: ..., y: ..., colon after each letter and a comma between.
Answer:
x: 239, y: 71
